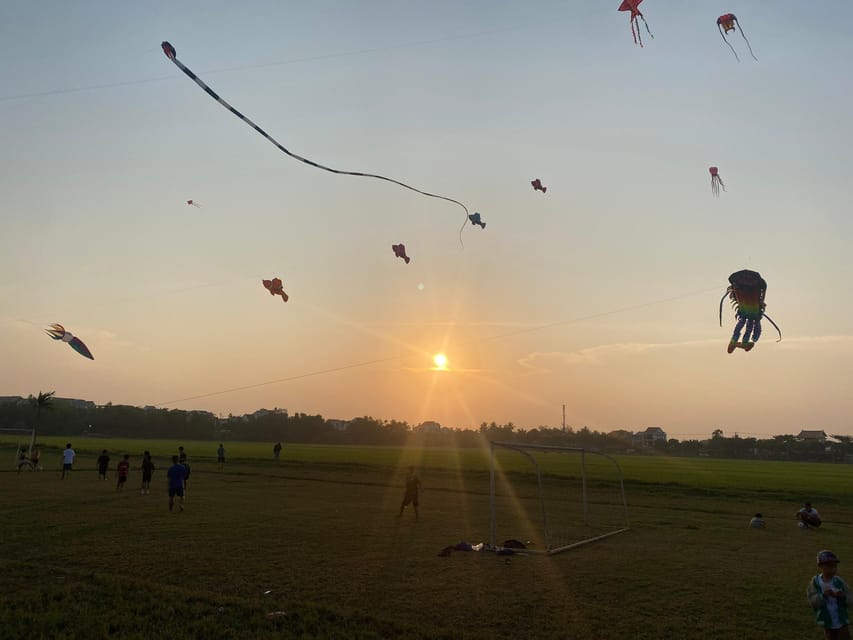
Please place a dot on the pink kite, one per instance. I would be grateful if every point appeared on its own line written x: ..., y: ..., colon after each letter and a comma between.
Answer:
x: 400, y: 251
x: 716, y: 181
x: 634, y: 7
x: 276, y: 288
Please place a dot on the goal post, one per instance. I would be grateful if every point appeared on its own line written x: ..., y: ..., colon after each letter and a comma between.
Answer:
x: 554, y: 498
x: 23, y: 439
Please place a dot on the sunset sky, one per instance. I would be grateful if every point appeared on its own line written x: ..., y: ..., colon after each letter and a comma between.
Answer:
x: 601, y: 294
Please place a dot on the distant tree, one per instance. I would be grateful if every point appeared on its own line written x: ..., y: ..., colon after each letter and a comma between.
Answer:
x: 41, y: 401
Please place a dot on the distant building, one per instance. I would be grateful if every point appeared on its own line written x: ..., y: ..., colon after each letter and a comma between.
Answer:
x: 260, y: 413
x: 649, y: 437
x: 338, y: 425
x: 429, y: 426
x: 76, y: 403
x: 812, y: 436
x: 11, y: 399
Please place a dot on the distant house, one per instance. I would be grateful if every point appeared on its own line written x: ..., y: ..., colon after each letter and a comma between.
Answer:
x: 76, y: 403
x: 812, y: 436
x: 649, y: 437
x: 427, y: 427
x: 11, y: 399
x: 338, y: 425
x: 260, y: 413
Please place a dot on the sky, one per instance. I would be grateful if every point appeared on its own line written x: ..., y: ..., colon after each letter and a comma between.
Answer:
x: 601, y: 294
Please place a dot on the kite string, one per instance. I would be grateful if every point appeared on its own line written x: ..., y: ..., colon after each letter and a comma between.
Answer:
x: 317, y: 165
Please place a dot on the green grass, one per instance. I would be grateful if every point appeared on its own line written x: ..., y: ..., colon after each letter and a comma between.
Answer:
x: 319, y: 531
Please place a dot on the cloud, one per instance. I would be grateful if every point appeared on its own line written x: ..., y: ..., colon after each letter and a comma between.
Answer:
x: 546, y: 361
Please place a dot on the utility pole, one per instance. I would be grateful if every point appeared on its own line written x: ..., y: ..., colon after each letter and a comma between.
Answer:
x: 564, y: 417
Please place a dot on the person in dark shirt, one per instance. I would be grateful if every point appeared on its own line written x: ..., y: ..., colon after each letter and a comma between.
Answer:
x: 413, y: 484
x: 103, y: 465
x: 122, y: 471
x: 147, y: 472
x: 175, y: 474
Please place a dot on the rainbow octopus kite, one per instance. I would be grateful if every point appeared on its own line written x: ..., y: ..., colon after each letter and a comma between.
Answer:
x: 716, y: 181
x: 537, y: 185
x: 58, y: 332
x: 726, y: 23
x: 634, y: 7
x: 169, y: 50
x: 746, y: 291
x: 276, y: 288
x: 400, y: 251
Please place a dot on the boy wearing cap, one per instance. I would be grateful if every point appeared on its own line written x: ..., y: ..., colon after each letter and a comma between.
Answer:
x: 827, y: 594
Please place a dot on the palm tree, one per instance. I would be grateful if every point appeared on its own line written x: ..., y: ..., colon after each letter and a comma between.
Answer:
x: 42, y: 401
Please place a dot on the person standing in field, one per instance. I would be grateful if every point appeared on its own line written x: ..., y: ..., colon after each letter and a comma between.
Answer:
x: 182, y: 460
x: 808, y: 516
x: 827, y: 594
x: 175, y: 475
x: 413, y: 485
x: 103, y: 463
x: 276, y: 451
x: 147, y: 472
x: 220, y: 455
x: 67, y: 460
x: 122, y: 471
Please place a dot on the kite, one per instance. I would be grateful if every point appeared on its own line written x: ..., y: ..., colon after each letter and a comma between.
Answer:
x: 58, y: 332
x: 716, y: 181
x: 537, y: 186
x: 634, y: 7
x: 193, y: 204
x: 171, y: 54
x: 475, y: 220
x: 728, y: 22
x: 276, y: 288
x: 400, y: 251
x: 746, y: 291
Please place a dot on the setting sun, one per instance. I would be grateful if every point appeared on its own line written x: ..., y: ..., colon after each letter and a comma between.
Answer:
x: 440, y: 361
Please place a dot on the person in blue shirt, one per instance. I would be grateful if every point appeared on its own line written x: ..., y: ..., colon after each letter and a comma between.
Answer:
x: 176, y: 474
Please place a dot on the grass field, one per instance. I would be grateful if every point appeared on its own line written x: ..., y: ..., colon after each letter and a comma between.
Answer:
x: 319, y: 532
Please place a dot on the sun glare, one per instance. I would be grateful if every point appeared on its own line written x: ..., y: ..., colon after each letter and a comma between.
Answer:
x: 440, y: 361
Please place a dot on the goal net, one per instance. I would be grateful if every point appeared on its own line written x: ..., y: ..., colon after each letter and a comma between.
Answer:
x: 554, y: 498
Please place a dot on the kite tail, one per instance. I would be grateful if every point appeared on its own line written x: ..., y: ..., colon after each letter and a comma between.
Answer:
x: 461, y: 229
x: 723, y: 299
x: 645, y: 23
x: 776, y: 326
x: 169, y: 50
x: 635, y: 32
x: 728, y: 43
x: 743, y: 35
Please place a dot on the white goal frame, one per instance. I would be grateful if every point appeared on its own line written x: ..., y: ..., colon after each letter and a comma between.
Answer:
x: 21, y: 431
x: 549, y: 547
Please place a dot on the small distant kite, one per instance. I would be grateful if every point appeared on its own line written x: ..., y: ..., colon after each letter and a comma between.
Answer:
x: 537, y: 185
x: 193, y: 204
x: 716, y: 181
x: 400, y: 251
x: 276, y: 288
x: 475, y: 220
x: 171, y: 54
x: 746, y: 291
x: 58, y: 332
x: 728, y: 22
x: 634, y: 7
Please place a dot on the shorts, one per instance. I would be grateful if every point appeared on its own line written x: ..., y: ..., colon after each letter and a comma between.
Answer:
x: 102, y: 471
x: 411, y: 497
x: 221, y: 459
x: 122, y: 479
x: 146, y: 477
x: 176, y: 492
x: 66, y: 467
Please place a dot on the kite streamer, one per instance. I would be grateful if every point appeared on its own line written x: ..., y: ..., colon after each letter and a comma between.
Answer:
x: 169, y: 50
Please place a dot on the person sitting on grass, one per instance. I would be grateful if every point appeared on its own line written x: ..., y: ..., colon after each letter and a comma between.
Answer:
x: 808, y: 516
x: 757, y: 521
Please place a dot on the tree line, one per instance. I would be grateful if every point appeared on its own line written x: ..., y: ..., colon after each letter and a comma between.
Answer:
x: 52, y: 416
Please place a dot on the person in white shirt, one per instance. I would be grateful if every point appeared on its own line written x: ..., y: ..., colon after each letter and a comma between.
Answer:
x: 808, y: 516
x: 67, y: 459
x: 827, y: 593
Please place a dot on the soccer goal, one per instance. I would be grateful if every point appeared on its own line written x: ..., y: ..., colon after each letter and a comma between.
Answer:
x: 553, y: 498
x: 22, y: 439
